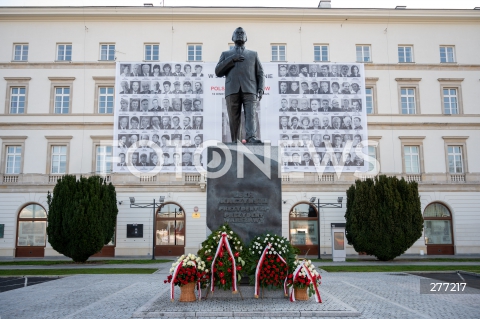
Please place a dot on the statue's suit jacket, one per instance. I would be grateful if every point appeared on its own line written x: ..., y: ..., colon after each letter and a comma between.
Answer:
x: 247, y: 75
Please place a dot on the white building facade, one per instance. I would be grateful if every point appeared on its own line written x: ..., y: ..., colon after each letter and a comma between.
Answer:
x: 58, y: 73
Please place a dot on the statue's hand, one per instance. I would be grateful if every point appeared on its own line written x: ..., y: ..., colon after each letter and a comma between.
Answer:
x: 238, y: 58
x: 259, y: 94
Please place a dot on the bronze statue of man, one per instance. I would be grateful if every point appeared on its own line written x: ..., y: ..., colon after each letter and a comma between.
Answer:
x: 244, y: 84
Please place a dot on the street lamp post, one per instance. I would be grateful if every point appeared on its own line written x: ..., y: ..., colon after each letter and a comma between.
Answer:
x: 319, y: 205
x: 154, y: 206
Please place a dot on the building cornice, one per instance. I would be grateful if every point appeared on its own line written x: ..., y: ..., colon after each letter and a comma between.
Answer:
x: 368, y: 67
x: 243, y: 13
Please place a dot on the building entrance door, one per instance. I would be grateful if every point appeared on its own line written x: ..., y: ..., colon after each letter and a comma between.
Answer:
x: 31, y: 231
x: 170, y: 230
x: 303, y: 228
x: 438, y: 230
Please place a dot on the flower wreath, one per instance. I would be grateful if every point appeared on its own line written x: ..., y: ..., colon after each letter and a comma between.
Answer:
x: 305, y: 275
x: 185, y: 270
x: 270, y: 259
x: 222, y: 252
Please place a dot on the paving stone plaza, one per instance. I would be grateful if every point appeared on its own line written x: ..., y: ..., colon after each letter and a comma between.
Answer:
x: 345, y: 295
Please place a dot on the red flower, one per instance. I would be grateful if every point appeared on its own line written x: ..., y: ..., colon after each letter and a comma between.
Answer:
x: 209, y: 258
x: 220, y: 263
x: 239, y: 267
x: 221, y: 274
x: 222, y: 281
x: 236, y: 254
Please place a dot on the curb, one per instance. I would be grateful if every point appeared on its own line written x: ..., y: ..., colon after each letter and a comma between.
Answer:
x: 288, y: 314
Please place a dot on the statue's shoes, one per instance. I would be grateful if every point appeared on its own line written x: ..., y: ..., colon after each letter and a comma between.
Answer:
x: 253, y: 141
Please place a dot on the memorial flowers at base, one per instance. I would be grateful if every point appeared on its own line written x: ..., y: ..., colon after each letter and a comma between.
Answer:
x: 185, y: 270
x: 223, y: 254
x: 270, y: 258
x: 304, y: 276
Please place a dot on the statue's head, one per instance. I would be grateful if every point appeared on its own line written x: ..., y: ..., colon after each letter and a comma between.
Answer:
x: 239, y: 36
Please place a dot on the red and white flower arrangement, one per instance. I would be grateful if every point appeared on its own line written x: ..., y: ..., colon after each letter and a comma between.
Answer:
x: 270, y: 258
x: 305, y: 276
x: 185, y: 270
x: 222, y: 252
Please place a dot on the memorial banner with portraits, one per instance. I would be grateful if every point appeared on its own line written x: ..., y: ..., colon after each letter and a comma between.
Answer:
x: 167, y: 113
x: 159, y: 117
x: 321, y: 117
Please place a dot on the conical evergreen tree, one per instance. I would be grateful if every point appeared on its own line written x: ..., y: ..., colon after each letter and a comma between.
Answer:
x: 383, y: 216
x: 82, y: 215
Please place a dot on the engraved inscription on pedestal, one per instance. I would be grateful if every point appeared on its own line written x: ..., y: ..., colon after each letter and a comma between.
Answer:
x: 250, y: 205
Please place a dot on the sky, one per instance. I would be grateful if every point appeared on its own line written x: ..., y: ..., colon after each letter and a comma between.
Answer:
x: 412, y: 4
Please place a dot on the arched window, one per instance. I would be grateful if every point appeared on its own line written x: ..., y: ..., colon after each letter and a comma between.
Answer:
x: 170, y: 230
x: 31, y: 231
x: 304, y: 228
x: 438, y: 229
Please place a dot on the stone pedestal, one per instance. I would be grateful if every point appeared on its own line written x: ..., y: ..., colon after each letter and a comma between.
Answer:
x: 248, y: 194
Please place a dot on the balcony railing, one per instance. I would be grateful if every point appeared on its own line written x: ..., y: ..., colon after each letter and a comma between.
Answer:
x: 326, y: 178
x: 148, y: 178
x: 10, y: 178
x: 457, y: 178
x: 53, y: 179
x: 413, y: 177
x: 192, y: 178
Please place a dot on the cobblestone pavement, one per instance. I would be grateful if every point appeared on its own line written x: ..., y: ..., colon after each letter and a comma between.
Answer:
x: 373, y: 295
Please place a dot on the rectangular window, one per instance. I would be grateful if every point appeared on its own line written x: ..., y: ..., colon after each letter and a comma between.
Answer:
x: 363, y: 53
x: 194, y: 52
x: 369, y: 100
x: 62, y: 100
x: 152, y: 52
x: 20, y: 52
x: 278, y: 52
x: 408, y: 100
x: 405, y: 54
x: 105, y: 100
x: 412, y: 159
x: 17, y: 100
x: 450, y: 101
x: 64, y: 52
x: 107, y: 52
x: 13, y: 160
x: 320, y: 52
x: 59, y: 160
x: 447, y: 54
x: 455, y: 160
x: 104, y: 160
